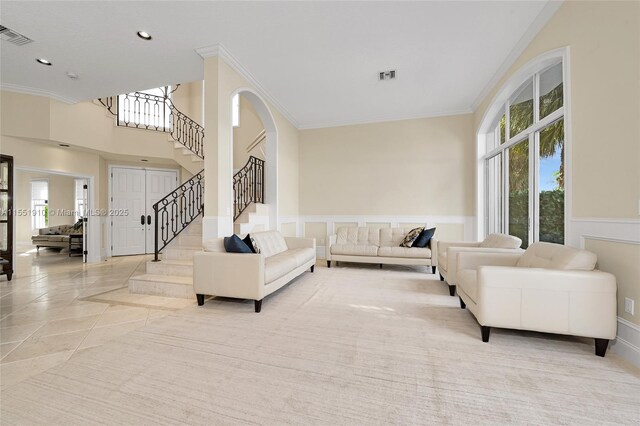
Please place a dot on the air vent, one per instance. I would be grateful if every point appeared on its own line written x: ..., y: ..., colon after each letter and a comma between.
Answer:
x: 387, y: 75
x: 13, y: 37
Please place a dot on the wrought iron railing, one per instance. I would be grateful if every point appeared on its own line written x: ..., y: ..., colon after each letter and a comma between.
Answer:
x: 152, y: 112
x: 177, y: 210
x: 248, y: 186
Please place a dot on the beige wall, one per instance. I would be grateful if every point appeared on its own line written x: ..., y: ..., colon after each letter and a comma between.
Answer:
x: 604, y: 41
x: 244, y: 135
x: 61, y: 197
x: 188, y: 100
x: 411, y: 167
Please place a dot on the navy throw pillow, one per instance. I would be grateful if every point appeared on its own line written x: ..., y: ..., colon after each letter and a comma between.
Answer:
x: 424, y: 238
x: 234, y: 244
x: 249, y: 243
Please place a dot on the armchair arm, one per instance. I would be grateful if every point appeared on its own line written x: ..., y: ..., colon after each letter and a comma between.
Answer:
x: 332, y: 240
x: 453, y: 256
x: 444, y: 245
x: 239, y: 275
x: 295, y: 242
x: 474, y: 259
x: 581, y: 303
x: 433, y: 245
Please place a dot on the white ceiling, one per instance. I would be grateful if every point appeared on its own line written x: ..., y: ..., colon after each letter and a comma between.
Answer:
x: 317, y: 61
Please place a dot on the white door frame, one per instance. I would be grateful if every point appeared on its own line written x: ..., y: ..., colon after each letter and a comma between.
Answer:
x: 110, y: 168
x: 93, y: 222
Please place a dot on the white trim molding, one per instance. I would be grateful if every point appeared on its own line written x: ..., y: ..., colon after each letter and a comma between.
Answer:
x: 8, y: 87
x: 627, y: 342
x: 220, y: 51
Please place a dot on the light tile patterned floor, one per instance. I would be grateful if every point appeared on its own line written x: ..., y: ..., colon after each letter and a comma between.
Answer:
x: 56, y: 306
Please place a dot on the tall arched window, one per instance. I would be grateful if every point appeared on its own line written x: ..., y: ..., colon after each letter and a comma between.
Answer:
x: 523, y: 155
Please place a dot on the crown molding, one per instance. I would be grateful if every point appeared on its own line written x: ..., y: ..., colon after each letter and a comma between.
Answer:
x: 382, y: 119
x: 549, y: 9
x: 8, y: 87
x: 220, y: 51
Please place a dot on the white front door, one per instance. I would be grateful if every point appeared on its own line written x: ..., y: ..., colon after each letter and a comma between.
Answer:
x: 134, y: 192
x: 159, y: 184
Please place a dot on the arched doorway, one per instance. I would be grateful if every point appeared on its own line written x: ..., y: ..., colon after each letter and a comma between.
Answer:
x: 270, y: 151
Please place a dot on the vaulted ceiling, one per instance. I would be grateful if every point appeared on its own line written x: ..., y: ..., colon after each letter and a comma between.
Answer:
x: 318, y: 61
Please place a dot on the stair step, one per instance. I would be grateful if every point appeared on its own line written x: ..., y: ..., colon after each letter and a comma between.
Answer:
x: 194, y: 229
x: 189, y: 240
x: 180, y: 252
x: 162, y: 285
x: 180, y: 268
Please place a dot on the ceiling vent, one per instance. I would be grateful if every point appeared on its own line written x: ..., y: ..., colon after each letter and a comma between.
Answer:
x: 13, y: 37
x: 387, y: 75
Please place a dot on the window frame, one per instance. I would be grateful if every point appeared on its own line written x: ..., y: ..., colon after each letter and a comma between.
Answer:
x: 32, y: 202
x: 490, y: 127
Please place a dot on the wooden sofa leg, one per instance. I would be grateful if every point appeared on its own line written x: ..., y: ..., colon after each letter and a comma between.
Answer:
x: 328, y: 264
x: 433, y: 269
x: 485, y: 333
x: 381, y: 266
x: 258, y: 305
x: 462, y: 304
x: 312, y: 268
x: 601, y: 346
x: 200, y: 298
x: 441, y: 277
x: 452, y: 290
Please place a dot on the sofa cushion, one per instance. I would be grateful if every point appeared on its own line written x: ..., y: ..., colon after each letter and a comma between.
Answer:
x: 358, y: 235
x: 557, y: 256
x: 279, y: 265
x: 501, y: 241
x: 424, y: 238
x: 302, y: 255
x: 355, y: 249
x: 392, y: 236
x: 468, y: 281
x: 40, y: 238
x: 234, y: 244
x: 411, y: 236
x: 407, y: 252
x: 269, y: 243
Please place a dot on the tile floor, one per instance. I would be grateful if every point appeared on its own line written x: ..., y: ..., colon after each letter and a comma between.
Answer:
x: 56, y: 306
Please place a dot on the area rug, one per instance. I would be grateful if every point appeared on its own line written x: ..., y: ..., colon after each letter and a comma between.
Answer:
x: 346, y: 345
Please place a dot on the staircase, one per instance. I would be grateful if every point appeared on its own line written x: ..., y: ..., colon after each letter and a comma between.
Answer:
x: 173, y: 276
x: 254, y: 218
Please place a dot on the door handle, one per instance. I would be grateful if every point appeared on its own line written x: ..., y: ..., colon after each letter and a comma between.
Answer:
x: 148, y: 219
x: 141, y: 219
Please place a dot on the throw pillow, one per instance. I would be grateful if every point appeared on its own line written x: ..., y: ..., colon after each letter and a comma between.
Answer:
x: 411, y: 237
x: 424, y: 238
x: 234, y: 244
x: 251, y: 243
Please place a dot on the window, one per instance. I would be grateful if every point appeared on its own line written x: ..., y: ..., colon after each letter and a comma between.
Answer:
x: 39, y: 204
x: 149, y: 109
x: 524, y: 161
x: 235, y: 110
x: 81, y: 199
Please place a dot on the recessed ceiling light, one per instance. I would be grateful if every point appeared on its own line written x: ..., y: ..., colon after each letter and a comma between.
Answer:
x: 43, y: 61
x: 144, y: 35
x: 144, y: 160
x: 72, y: 75
x: 64, y: 145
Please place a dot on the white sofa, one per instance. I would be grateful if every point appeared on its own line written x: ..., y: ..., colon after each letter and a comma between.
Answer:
x: 549, y: 288
x: 378, y: 246
x: 448, y: 254
x: 248, y: 275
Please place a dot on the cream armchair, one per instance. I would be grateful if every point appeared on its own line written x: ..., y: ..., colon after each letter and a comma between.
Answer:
x: 549, y: 288
x: 448, y: 254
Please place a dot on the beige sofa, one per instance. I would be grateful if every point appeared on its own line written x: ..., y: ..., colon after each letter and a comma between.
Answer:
x: 378, y: 246
x: 251, y: 276
x: 54, y: 236
x: 448, y: 254
x: 549, y: 288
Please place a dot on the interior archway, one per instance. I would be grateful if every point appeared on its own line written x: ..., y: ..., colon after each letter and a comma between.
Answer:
x: 271, y: 152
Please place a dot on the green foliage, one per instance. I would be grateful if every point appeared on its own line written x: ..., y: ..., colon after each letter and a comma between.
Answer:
x: 46, y: 215
x: 551, y: 216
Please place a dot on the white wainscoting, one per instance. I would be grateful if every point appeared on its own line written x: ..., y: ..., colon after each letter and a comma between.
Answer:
x: 623, y: 231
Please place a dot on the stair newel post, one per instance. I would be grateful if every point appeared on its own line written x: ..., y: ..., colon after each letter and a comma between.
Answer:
x: 155, y: 243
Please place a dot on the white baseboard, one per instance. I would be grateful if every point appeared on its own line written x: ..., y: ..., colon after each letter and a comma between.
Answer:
x: 627, y: 342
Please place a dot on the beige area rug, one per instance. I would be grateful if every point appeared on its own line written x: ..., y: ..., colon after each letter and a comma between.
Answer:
x: 347, y: 345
